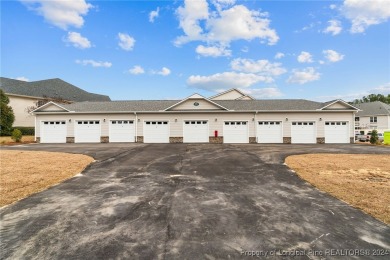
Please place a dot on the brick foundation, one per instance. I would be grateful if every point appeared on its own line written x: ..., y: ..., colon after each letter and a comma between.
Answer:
x: 175, y: 140
x: 216, y: 140
x: 352, y: 140
x: 104, y: 139
x: 287, y: 140
x: 140, y: 139
x: 252, y: 140
x: 320, y: 140
x: 38, y: 140
x: 70, y: 139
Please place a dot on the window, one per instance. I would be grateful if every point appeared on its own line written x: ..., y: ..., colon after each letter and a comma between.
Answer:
x: 187, y: 123
x: 357, y: 119
x: 373, y: 119
x: 165, y: 123
x: 226, y: 123
x: 243, y: 123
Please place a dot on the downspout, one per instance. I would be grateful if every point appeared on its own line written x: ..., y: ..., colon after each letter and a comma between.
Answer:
x: 136, y: 126
x: 35, y: 128
x: 256, y: 126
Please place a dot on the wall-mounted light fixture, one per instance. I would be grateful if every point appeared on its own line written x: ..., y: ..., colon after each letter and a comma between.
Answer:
x: 104, y: 120
x: 139, y: 120
x: 216, y: 119
x: 176, y: 120
x: 320, y: 119
x: 286, y: 119
x: 70, y: 120
x: 253, y: 119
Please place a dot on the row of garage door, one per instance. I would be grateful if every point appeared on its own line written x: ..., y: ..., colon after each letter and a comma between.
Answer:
x: 194, y: 131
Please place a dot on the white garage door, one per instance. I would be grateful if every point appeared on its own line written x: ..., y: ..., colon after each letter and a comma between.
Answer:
x: 53, y: 132
x: 303, y: 133
x: 235, y: 132
x: 156, y: 132
x: 336, y: 132
x: 121, y: 131
x: 269, y: 132
x: 87, y: 131
x: 196, y: 131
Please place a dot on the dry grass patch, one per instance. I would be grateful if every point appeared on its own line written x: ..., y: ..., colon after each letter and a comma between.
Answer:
x: 26, y: 172
x: 25, y: 139
x: 362, y: 180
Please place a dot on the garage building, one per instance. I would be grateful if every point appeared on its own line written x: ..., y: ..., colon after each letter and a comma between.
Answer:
x: 229, y: 117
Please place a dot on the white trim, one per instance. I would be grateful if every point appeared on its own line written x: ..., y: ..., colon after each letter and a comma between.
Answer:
x: 339, y: 100
x: 35, y: 129
x: 47, y: 104
x: 191, y: 97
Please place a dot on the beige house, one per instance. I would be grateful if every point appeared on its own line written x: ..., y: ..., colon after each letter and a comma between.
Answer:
x: 230, y: 117
x: 24, y: 96
x: 373, y: 115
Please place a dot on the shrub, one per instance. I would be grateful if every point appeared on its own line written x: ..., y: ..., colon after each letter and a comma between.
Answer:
x: 16, y: 135
x: 26, y: 130
x: 374, y: 137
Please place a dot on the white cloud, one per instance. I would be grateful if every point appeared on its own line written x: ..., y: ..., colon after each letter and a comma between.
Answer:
x: 226, y: 80
x: 154, y: 14
x: 262, y: 67
x: 93, y: 63
x: 263, y: 92
x: 126, y: 42
x: 305, y: 57
x: 303, y: 76
x: 78, y: 41
x: 334, y: 27
x: 164, y: 71
x: 213, y: 51
x: 383, y: 89
x: 333, y: 6
x: 364, y: 13
x: 333, y: 56
x: 228, y: 23
x: 189, y: 17
x: 59, y: 12
x: 279, y: 55
x: 137, y: 70
x: 22, y: 78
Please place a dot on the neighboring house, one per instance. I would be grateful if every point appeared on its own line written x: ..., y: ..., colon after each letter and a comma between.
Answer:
x: 24, y: 95
x: 224, y: 118
x: 372, y: 115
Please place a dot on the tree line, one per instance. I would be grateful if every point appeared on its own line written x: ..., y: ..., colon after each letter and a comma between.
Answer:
x: 373, y: 98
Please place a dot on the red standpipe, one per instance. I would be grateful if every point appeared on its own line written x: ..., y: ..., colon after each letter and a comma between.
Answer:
x: 215, y: 133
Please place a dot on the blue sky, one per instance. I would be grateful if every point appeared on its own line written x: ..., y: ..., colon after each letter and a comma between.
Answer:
x: 318, y: 50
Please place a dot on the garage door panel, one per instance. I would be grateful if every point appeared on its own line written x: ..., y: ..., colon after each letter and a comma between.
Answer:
x: 196, y: 131
x: 53, y: 132
x: 156, y: 132
x: 122, y: 131
x: 87, y: 131
x: 303, y: 132
x: 269, y: 132
x: 337, y: 132
x: 235, y: 132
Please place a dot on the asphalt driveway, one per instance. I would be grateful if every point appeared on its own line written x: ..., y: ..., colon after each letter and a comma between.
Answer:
x: 182, y: 201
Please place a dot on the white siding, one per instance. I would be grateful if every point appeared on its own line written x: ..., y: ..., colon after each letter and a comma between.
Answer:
x: 231, y: 95
x: 203, y: 105
x: 19, y: 106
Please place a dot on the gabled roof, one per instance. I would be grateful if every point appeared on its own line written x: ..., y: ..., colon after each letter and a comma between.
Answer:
x: 230, y: 105
x: 48, y: 104
x: 196, y: 96
x: 373, y: 109
x: 220, y: 95
x: 51, y: 88
x: 332, y: 102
